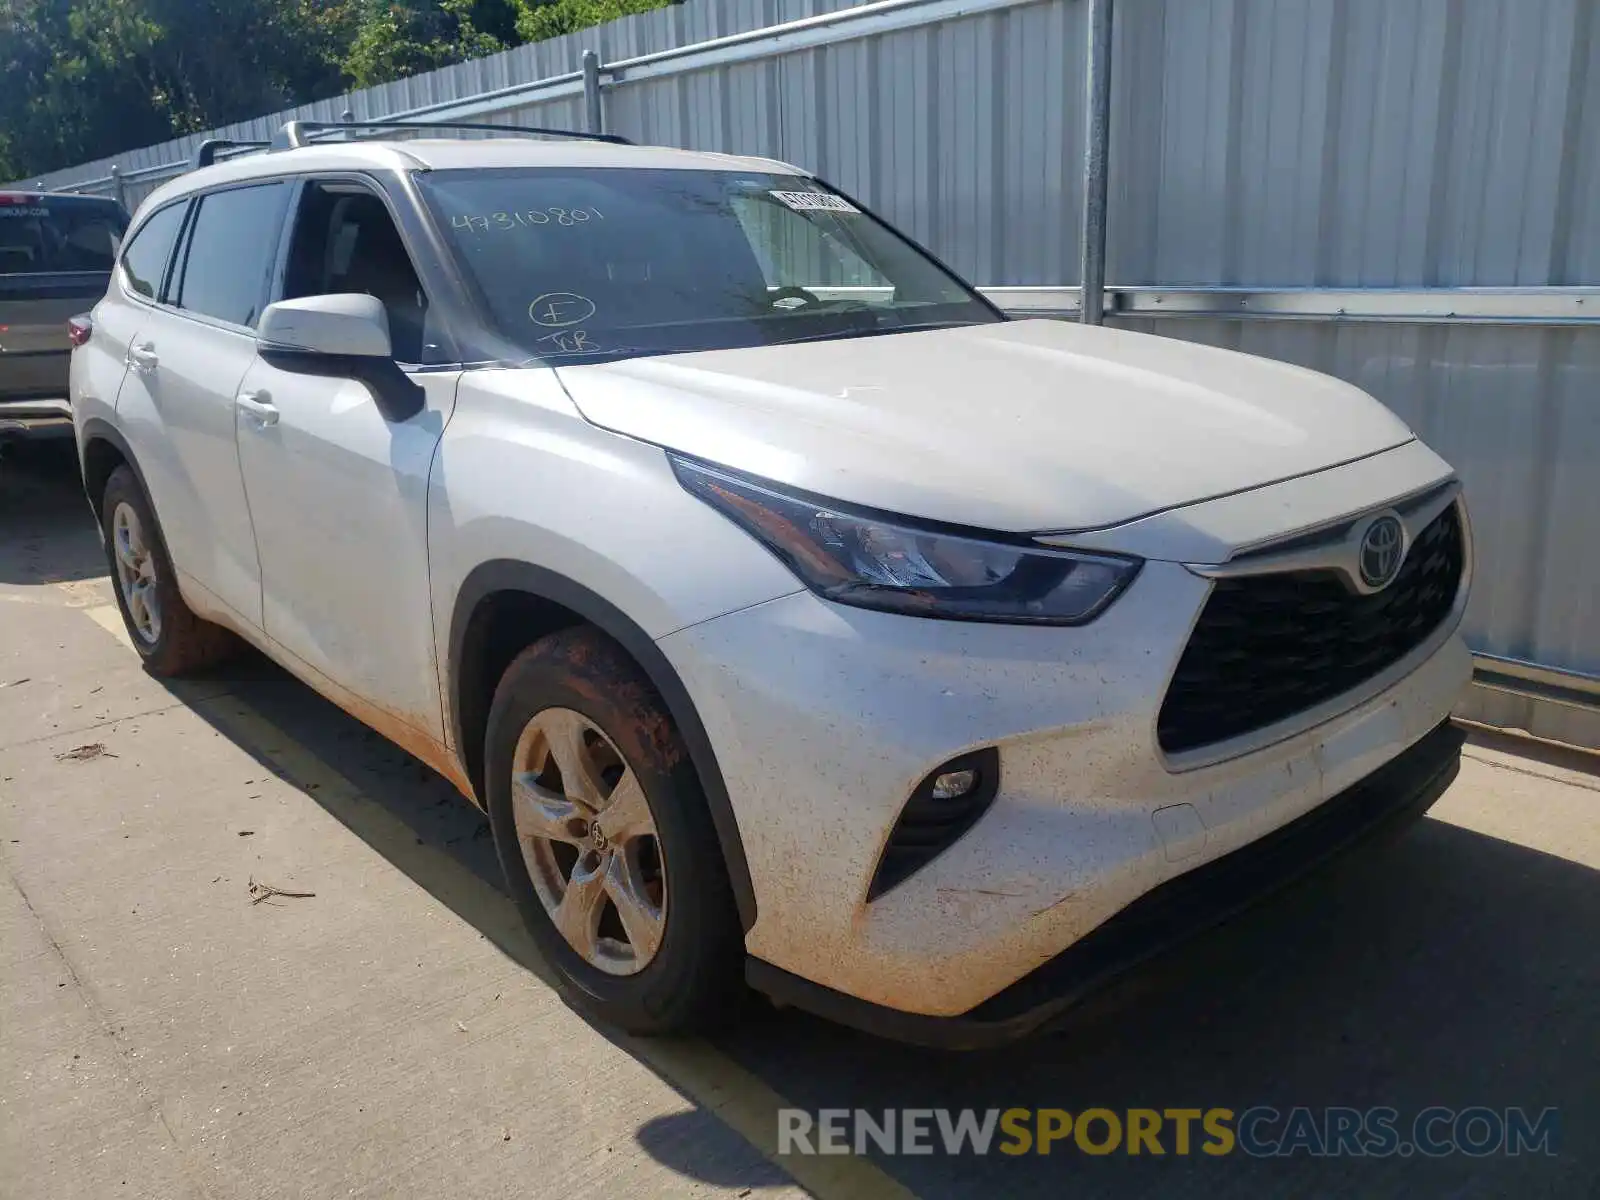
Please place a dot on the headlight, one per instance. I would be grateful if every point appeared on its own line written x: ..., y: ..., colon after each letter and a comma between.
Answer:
x: 879, y: 562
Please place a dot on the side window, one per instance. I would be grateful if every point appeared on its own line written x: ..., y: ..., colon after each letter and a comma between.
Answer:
x: 144, y: 260
x: 231, y: 247
x: 806, y: 251
x: 345, y: 241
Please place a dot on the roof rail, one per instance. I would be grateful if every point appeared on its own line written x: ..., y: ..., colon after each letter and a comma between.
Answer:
x: 208, y: 150
x: 301, y: 133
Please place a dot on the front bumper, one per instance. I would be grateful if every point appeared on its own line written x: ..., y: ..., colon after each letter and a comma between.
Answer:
x: 1386, y: 802
x: 824, y: 719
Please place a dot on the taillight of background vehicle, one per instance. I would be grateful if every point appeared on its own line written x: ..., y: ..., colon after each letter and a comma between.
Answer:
x: 79, y: 329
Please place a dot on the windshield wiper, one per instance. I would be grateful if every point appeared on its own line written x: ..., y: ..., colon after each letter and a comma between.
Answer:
x: 586, y: 352
x: 874, y: 331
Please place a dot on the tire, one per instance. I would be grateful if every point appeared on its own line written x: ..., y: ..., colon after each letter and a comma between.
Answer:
x: 692, y: 976
x: 182, y: 642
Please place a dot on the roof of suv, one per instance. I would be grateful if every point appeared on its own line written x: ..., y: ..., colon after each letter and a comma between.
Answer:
x: 440, y: 154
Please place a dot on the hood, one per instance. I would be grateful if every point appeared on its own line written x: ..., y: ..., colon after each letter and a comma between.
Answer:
x: 1019, y: 427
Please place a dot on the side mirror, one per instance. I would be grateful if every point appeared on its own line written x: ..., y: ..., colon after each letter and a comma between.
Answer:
x: 340, y: 337
x: 352, y: 325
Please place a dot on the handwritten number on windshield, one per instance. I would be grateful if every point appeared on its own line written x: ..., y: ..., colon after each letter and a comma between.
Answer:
x: 566, y: 217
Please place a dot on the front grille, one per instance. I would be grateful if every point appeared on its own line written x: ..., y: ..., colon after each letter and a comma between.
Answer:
x: 1267, y: 647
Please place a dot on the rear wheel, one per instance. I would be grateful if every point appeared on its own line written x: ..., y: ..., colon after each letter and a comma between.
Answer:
x: 170, y: 638
x: 606, y: 841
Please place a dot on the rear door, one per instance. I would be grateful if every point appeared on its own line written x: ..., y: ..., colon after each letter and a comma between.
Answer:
x: 177, y: 403
x: 100, y: 366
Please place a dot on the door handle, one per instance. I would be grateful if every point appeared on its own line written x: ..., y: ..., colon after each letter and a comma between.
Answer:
x: 258, y: 405
x: 143, y: 358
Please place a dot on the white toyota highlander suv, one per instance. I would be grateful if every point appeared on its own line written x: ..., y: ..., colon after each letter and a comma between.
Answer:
x: 802, y: 624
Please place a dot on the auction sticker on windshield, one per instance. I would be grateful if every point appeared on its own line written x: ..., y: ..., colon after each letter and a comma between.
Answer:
x: 815, y: 202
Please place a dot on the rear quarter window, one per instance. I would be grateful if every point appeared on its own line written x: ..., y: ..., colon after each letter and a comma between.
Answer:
x: 144, y: 260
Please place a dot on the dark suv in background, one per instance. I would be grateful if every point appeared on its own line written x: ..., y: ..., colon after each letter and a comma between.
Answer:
x: 56, y: 253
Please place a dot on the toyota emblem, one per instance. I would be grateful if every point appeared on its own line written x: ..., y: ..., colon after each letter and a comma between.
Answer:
x: 1382, y: 552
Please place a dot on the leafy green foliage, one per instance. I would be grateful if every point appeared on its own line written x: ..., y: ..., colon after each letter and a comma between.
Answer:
x: 395, y: 38
x: 88, y: 78
x: 541, y: 19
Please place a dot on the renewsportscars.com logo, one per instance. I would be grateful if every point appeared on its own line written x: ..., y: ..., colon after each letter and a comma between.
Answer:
x: 1260, y: 1132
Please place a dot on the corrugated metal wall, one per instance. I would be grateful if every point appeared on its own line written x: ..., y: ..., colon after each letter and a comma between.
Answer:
x: 1412, y: 143
x: 1423, y: 143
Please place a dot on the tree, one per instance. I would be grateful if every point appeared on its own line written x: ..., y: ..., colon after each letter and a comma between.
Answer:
x: 87, y: 78
x: 202, y: 63
x: 541, y: 19
x: 395, y: 38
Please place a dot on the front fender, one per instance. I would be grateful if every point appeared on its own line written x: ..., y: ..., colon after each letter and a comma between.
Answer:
x: 527, y: 496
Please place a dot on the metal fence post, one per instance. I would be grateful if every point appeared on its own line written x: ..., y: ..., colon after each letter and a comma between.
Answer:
x: 1096, y: 151
x: 119, y: 186
x: 593, y: 110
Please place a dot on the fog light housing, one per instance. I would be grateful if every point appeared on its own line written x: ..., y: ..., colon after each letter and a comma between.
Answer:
x: 946, y: 804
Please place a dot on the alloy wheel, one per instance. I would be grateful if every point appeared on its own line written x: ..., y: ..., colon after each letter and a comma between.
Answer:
x: 589, y: 841
x: 136, y: 572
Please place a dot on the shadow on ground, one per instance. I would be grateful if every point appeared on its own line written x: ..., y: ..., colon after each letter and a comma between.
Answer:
x: 1446, y: 968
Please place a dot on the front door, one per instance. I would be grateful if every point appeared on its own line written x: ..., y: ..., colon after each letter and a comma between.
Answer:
x: 338, y: 492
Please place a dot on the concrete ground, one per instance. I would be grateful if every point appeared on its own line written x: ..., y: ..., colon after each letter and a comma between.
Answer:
x: 163, y: 1036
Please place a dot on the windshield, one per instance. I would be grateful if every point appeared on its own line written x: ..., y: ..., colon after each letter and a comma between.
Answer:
x: 43, y: 234
x: 597, y: 264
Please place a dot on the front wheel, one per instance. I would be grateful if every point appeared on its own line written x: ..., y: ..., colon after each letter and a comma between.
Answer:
x: 606, y: 841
